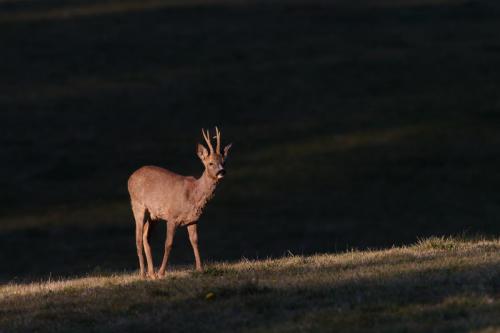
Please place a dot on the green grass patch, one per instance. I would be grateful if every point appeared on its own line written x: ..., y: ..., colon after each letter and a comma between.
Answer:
x: 411, y: 289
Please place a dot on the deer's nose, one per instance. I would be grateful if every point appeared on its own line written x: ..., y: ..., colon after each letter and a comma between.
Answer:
x: 221, y: 173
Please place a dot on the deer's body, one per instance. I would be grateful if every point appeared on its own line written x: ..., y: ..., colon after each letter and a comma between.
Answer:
x: 168, y: 196
x: 159, y: 194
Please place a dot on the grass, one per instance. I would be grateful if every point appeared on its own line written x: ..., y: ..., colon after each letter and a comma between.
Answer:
x: 347, y: 118
x: 438, y: 285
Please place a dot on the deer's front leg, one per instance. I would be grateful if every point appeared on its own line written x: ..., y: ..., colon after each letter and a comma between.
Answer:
x: 193, y: 238
x: 168, y: 247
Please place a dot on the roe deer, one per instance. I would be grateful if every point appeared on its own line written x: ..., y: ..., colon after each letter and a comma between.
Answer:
x: 157, y: 193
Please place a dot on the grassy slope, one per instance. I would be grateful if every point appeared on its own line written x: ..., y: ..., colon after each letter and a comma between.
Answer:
x: 437, y: 285
x: 364, y: 117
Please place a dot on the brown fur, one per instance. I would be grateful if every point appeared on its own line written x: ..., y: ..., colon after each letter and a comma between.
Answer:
x: 157, y: 193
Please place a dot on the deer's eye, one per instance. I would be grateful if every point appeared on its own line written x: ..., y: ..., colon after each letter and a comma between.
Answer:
x: 211, y: 164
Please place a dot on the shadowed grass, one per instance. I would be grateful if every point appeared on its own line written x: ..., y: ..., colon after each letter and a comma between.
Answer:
x: 353, y: 126
x: 413, y: 289
x: 81, y: 9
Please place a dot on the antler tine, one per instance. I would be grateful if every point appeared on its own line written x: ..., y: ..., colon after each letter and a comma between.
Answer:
x: 217, y: 134
x: 207, y: 140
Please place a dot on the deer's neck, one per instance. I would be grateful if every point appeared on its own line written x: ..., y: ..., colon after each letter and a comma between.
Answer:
x: 204, y: 189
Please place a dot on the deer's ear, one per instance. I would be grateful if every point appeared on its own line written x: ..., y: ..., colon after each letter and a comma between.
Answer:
x: 226, y: 150
x: 202, y: 152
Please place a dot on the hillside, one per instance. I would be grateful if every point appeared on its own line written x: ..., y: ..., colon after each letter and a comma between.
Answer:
x: 346, y: 120
x: 439, y: 284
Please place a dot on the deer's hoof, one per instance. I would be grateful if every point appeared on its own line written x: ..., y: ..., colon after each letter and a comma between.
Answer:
x: 160, y: 274
x: 152, y: 276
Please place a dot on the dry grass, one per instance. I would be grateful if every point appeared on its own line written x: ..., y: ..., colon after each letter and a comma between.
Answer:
x: 440, y: 284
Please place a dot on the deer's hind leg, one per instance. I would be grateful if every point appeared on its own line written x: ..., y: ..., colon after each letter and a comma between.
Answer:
x: 140, y: 218
x: 147, y: 249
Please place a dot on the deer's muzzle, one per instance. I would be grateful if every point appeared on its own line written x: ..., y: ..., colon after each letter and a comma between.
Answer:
x: 221, y: 173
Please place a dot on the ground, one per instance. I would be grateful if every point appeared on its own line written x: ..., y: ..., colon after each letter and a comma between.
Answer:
x: 437, y: 285
x: 355, y: 124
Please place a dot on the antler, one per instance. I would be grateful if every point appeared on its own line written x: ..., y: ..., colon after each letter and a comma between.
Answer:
x: 217, y: 134
x: 207, y: 140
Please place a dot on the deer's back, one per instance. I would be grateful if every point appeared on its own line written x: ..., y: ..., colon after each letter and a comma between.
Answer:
x: 160, y: 191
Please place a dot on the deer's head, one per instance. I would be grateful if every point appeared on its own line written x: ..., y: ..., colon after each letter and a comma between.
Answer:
x: 214, y: 160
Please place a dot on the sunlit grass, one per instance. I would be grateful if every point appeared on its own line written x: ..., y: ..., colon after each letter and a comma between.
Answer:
x: 412, y: 288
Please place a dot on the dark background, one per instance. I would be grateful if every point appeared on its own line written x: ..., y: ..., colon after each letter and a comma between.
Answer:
x: 356, y: 124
